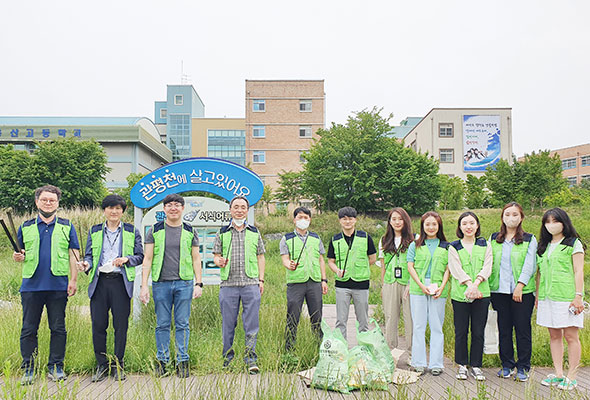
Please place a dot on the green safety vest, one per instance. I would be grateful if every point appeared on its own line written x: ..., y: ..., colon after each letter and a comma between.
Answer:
x: 250, y: 251
x: 557, y: 281
x: 517, y: 257
x: 354, y: 260
x: 309, y: 262
x: 185, y: 269
x: 440, y: 260
x: 128, y: 237
x: 472, y: 265
x: 60, y: 244
x: 393, y: 261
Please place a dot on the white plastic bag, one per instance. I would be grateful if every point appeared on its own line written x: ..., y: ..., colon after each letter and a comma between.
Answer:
x: 491, y: 336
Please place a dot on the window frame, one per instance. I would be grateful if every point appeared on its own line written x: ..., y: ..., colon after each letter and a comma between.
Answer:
x: 452, y: 126
x: 178, y: 103
x: 572, y: 162
x: 258, y: 153
x: 258, y: 102
x: 257, y: 128
x: 305, y: 102
x: 306, y: 127
x: 452, y: 156
x: 165, y: 112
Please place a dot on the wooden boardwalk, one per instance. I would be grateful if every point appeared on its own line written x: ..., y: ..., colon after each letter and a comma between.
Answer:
x: 291, y: 386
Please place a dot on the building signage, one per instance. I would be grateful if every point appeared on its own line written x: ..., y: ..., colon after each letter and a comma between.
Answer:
x: 481, y: 141
x: 39, y: 133
x: 202, y: 174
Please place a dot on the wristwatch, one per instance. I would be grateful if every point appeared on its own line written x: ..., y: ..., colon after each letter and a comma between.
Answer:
x: 325, y: 280
x: 199, y: 284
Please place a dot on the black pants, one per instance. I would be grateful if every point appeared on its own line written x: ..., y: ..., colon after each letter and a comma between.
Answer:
x: 477, y: 313
x: 110, y: 294
x: 33, y: 303
x: 311, y: 291
x: 517, y: 316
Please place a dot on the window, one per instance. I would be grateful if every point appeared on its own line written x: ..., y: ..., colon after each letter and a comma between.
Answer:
x: 585, y: 177
x: 585, y: 161
x: 305, y: 131
x: 259, y: 157
x: 229, y: 145
x: 178, y: 100
x: 259, y: 105
x: 445, y: 130
x: 163, y: 113
x: 568, y: 163
x: 572, y: 180
x: 446, y: 155
x: 304, y: 105
x: 258, y: 131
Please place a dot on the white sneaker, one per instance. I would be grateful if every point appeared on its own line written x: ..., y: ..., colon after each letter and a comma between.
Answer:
x: 462, y: 373
x: 477, y: 374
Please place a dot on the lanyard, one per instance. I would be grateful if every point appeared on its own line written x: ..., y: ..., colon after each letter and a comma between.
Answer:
x: 347, y: 252
x: 302, y: 249
x: 112, y: 244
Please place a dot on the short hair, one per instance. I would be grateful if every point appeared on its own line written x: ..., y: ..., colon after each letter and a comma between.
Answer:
x: 303, y: 210
x: 467, y: 214
x: 173, y: 198
x: 347, y: 212
x: 48, y: 188
x: 239, y: 198
x: 113, y: 200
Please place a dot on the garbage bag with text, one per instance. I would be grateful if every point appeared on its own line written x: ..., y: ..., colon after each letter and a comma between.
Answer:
x: 331, y: 371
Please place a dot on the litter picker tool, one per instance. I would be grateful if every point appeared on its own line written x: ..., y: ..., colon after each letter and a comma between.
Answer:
x: 11, y: 222
x: 14, y: 244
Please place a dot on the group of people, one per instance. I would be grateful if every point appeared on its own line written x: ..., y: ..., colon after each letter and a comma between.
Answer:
x: 418, y: 273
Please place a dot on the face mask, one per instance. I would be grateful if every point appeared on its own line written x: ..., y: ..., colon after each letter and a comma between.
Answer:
x: 511, y: 222
x: 302, y: 224
x: 239, y: 222
x: 554, y: 228
x: 47, y: 214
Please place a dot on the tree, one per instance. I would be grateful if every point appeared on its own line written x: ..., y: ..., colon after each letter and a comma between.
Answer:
x: 18, y: 179
x: 267, y: 198
x: 358, y: 165
x: 289, y: 186
x: 502, y: 182
x: 132, y: 179
x: 452, y: 192
x: 475, y: 192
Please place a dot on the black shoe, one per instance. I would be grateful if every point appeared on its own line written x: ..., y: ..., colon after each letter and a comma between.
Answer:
x: 183, y: 369
x: 118, y: 374
x: 226, y: 363
x: 56, y: 373
x: 102, y: 371
x: 160, y: 368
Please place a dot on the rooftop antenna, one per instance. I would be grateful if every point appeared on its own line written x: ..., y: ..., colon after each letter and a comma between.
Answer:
x: 185, y: 79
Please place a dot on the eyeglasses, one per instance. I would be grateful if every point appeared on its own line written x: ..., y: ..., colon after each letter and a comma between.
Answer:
x: 48, y: 201
x: 173, y: 205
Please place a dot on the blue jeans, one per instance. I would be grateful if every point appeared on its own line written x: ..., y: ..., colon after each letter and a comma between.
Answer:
x: 166, y: 295
x: 426, y: 309
x: 229, y: 302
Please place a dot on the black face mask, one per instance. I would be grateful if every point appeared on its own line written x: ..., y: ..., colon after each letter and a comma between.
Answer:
x: 47, y: 214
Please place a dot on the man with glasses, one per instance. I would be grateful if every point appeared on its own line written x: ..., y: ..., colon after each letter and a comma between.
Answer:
x: 50, y: 250
x: 239, y: 253
x: 173, y: 258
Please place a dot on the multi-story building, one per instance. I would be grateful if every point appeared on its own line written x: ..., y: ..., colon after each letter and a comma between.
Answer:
x: 131, y: 144
x: 282, y: 118
x: 575, y: 163
x: 464, y: 140
x: 223, y: 138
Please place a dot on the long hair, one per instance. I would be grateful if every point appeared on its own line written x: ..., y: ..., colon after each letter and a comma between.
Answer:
x: 468, y: 214
x: 388, y: 241
x: 440, y: 234
x: 568, y: 229
x: 518, y: 236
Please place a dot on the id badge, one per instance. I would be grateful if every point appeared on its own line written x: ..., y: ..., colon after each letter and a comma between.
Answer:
x: 398, y: 272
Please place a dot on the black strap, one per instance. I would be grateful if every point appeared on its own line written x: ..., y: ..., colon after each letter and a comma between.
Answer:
x: 303, y: 248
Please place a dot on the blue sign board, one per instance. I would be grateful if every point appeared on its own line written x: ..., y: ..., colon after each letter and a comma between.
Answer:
x: 202, y: 174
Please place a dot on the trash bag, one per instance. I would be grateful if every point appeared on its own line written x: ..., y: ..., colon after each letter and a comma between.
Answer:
x: 364, y: 370
x: 331, y: 371
x: 375, y: 340
x: 491, y: 343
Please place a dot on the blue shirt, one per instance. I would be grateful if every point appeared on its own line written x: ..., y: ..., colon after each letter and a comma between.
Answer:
x: 43, y: 279
x: 507, y: 284
x: 111, y: 246
x: 431, y: 244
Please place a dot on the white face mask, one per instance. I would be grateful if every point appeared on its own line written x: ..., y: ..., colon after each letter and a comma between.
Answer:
x: 511, y: 222
x: 239, y: 222
x: 302, y: 224
x: 554, y: 228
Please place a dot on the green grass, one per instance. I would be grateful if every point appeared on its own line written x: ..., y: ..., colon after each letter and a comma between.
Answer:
x: 205, y: 343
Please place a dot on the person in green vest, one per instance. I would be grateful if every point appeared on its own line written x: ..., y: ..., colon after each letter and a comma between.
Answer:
x: 395, y: 277
x: 349, y: 255
x: 50, y: 250
x: 560, y: 293
x: 302, y: 255
x: 239, y: 253
x: 113, y: 250
x: 427, y: 265
x: 470, y: 264
x: 512, y: 286
x: 173, y: 258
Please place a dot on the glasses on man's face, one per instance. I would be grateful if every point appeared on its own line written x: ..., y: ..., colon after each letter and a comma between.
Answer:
x: 48, y: 201
x: 173, y: 205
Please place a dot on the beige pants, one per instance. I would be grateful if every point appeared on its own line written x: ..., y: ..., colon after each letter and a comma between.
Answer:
x: 392, y: 296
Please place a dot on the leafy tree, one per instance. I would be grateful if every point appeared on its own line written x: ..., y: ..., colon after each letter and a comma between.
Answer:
x: 358, y: 165
x: 289, y: 186
x: 452, y: 192
x: 18, y: 179
x: 267, y: 198
x: 502, y: 181
x: 132, y: 179
x: 475, y: 192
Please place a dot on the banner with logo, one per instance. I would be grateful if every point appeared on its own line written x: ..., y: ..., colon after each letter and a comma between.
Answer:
x: 481, y: 141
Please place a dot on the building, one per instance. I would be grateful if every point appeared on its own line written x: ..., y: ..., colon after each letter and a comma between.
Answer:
x: 282, y: 118
x: 575, y: 163
x: 404, y: 127
x: 464, y: 140
x: 131, y: 144
x: 223, y: 138
x: 174, y: 116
